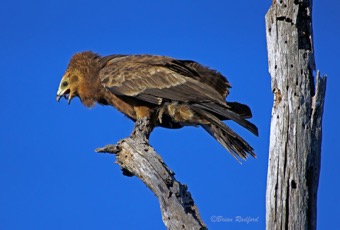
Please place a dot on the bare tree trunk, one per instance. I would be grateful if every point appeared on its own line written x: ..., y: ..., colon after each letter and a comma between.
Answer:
x: 137, y: 158
x: 295, y: 139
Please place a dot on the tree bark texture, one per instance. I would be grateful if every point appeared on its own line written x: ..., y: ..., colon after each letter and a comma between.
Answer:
x: 137, y: 158
x: 295, y: 138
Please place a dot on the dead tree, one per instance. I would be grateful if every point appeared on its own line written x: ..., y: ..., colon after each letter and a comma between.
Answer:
x: 137, y: 158
x: 295, y: 138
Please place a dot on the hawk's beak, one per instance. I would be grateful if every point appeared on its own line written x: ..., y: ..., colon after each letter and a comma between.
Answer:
x: 61, y: 93
x: 64, y: 93
x: 58, y: 97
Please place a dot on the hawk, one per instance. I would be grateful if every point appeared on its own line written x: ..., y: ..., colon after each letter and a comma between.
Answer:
x: 171, y: 93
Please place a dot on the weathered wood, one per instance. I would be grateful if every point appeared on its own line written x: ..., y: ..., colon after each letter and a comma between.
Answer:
x: 137, y: 158
x: 295, y: 138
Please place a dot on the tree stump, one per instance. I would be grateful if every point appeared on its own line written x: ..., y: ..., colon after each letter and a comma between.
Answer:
x: 296, y: 125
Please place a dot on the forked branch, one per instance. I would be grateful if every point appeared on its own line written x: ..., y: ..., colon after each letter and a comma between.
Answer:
x: 137, y: 158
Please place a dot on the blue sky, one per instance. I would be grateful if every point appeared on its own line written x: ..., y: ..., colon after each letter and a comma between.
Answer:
x: 51, y: 178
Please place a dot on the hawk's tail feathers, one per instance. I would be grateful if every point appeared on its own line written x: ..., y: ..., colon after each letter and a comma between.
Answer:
x: 216, y: 113
x: 230, y: 140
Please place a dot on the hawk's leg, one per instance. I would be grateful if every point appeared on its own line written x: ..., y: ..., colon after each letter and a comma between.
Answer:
x: 142, y: 130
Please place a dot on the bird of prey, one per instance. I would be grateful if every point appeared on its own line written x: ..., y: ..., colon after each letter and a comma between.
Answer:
x: 171, y: 93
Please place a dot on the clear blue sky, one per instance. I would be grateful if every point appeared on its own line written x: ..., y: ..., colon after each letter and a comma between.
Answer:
x: 50, y: 176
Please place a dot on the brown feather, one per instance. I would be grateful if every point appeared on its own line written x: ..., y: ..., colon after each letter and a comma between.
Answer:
x: 141, y: 75
x: 203, y: 74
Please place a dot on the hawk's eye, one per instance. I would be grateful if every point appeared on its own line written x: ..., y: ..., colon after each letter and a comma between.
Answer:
x: 65, y: 83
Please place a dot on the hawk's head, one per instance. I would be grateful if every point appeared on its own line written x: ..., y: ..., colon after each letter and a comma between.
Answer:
x: 80, y: 78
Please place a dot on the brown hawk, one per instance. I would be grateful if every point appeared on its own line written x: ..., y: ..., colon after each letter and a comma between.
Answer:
x: 171, y: 93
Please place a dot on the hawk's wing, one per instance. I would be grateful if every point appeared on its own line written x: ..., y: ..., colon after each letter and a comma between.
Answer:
x: 155, y: 79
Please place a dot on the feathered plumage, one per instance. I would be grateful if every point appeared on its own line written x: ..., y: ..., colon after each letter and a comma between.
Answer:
x: 172, y: 93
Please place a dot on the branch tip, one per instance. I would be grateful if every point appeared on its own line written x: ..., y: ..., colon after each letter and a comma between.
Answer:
x: 111, y: 149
